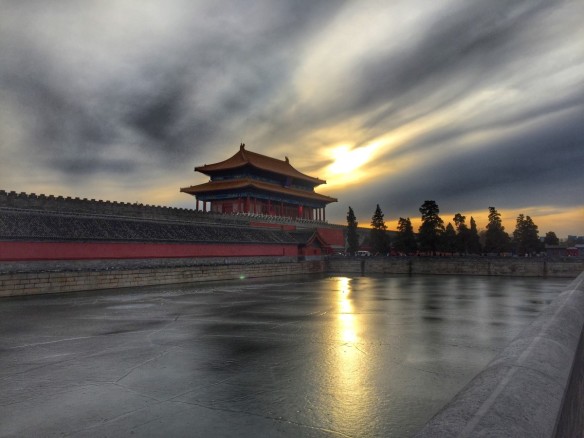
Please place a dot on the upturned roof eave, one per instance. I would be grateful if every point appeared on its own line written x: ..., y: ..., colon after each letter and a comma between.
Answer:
x: 240, y: 184
x: 245, y: 157
x: 298, y: 175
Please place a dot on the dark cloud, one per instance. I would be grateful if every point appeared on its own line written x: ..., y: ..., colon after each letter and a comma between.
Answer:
x: 520, y: 171
x: 135, y: 90
x: 187, y: 99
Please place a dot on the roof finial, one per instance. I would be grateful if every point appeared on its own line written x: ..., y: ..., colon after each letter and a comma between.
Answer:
x: 287, y: 160
x: 242, y: 146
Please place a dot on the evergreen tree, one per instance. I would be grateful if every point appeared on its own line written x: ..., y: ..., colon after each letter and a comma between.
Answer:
x: 551, y: 238
x: 352, y: 237
x: 497, y: 240
x: 378, y: 233
x: 405, y: 240
x: 525, y: 236
x: 462, y: 234
x: 432, y: 227
x: 474, y: 244
x: 531, y: 236
x: 518, y: 235
x: 448, y: 239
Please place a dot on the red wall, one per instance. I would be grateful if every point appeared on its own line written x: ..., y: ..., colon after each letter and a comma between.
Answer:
x: 332, y: 236
x: 14, y: 251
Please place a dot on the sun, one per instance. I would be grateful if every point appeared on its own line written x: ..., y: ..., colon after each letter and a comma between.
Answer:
x: 347, y: 159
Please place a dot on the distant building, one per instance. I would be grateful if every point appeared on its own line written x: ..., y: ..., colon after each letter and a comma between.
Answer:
x: 556, y: 251
x: 249, y: 182
x: 572, y: 251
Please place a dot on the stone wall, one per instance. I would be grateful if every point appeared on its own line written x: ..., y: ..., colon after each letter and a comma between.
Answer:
x: 28, y: 278
x: 505, y: 266
x: 81, y: 277
x: 64, y: 204
x: 32, y: 225
x: 67, y: 204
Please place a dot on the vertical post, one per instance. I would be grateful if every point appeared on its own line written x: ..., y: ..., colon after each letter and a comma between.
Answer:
x: 324, y: 214
x: 196, y: 204
x: 204, y: 206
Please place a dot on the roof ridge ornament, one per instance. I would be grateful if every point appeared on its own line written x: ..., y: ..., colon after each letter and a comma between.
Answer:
x: 242, y: 146
x: 287, y: 160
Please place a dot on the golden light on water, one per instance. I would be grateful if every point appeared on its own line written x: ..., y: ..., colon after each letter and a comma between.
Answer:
x: 348, y: 363
x: 346, y: 317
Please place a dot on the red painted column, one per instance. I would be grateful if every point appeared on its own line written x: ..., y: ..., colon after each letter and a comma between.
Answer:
x: 324, y: 214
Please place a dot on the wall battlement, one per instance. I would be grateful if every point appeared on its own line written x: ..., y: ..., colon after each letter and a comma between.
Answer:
x: 99, y: 207
x: 67, y: 204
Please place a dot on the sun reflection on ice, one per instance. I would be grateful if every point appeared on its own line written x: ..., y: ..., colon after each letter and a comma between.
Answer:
x: 346, y: 313
x: 349, y: 362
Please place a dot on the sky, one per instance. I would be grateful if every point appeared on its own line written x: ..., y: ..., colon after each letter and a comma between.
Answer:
x: 469, y: 103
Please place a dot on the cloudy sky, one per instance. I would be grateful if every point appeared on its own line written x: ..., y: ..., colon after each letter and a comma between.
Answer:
x: 470, y: 103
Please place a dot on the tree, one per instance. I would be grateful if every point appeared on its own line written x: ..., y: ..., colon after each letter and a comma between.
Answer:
x: 551, y: 238
x: 432, y: 227
x: 496, y: 239
x: 448, y: 239
x: 352, y: 237
x: 525, y: 236
x: 378, y: 233
x: 462, y: 234
x: 474, y: 244
x: 405, y: 240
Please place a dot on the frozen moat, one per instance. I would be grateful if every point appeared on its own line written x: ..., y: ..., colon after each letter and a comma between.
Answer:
x: 292, y: 357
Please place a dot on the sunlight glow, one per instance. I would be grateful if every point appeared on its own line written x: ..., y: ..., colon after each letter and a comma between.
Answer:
x: 348, y: 160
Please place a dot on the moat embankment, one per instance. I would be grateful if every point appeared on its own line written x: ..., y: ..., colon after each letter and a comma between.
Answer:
x: 504, y: 266
x: 31, y: 278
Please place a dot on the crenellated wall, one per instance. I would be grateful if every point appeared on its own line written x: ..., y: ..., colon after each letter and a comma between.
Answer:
x: 98, y: 207
x: 66, y: 204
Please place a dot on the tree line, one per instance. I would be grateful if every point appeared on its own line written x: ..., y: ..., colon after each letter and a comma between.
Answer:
x: 434, y: 237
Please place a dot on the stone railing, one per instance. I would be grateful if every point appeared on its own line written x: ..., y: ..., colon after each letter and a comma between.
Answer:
x: 533, y: 388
